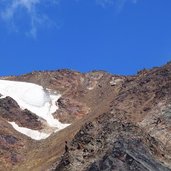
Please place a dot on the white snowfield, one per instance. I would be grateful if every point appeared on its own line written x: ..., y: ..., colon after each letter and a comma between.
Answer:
x: 34, y: 134
x: 36, y: 99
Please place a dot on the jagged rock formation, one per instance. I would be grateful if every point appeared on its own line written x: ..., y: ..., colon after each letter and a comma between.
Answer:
x: 117, y: 123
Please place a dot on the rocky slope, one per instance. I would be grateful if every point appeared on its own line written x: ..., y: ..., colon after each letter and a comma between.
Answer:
x: 117, y: 123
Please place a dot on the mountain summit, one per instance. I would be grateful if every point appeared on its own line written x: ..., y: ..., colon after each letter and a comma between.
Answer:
x: 69, y: 121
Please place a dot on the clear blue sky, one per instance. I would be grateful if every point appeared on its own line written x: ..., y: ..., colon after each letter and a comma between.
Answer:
x: 119, y: 36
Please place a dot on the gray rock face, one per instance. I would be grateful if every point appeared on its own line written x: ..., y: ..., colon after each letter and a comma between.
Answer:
x: 108, y: 144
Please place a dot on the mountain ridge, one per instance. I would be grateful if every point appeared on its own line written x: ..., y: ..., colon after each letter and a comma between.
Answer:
x: 129, y: 111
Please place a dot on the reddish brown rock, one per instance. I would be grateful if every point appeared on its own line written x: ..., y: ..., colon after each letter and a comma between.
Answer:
x: 117, y: 122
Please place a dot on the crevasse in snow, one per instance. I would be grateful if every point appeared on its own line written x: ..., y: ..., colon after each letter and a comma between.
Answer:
x: 34, y: 98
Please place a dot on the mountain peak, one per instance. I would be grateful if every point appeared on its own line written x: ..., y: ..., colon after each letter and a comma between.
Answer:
x: 110, y: 122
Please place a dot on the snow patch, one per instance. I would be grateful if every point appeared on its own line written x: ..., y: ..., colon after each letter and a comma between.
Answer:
x: 115, y: 81
x: 34, y: 134
x: 90, y: 88
x: 33, y: 97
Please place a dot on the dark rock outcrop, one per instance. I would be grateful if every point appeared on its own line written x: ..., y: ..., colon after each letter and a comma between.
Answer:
x: 109, y: 144
x: 10, y: 110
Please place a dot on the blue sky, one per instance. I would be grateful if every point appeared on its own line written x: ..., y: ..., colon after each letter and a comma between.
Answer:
x: 119, y: 36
